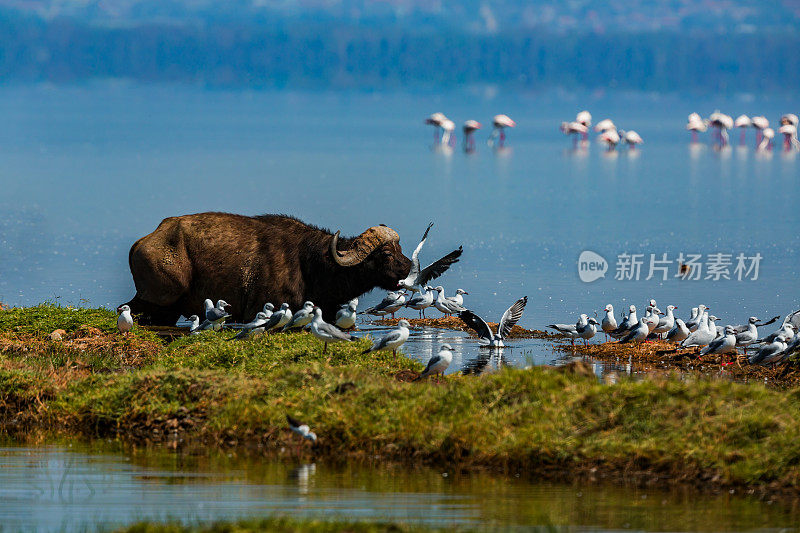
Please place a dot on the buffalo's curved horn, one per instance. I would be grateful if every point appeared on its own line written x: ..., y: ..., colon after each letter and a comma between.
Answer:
x: 363, y: 245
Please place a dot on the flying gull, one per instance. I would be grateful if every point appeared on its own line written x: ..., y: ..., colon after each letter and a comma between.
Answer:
x: 301, y: 429
x: 507, y: 322
x: 419, y: 277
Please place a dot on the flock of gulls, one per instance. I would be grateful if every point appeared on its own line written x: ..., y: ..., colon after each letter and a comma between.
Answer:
x: 414, y: 292
x: 721, y: 124
x: 698, y: 331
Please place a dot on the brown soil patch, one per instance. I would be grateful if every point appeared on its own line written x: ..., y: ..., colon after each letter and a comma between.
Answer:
x: 455, y: 323
x: 405, y: 376
x: 660, y: 356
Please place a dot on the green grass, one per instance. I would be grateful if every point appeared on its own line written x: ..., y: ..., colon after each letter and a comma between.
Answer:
x: 208, y: 389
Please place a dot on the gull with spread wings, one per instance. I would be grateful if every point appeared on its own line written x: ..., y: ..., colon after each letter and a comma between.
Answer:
x: 417, y: 278
x: 509, y: 319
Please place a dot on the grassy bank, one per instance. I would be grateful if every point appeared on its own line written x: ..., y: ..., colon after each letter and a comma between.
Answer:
x: 94, y: 382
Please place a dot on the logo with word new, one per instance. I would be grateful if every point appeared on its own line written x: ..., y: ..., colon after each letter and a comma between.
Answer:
x: 591, y: 266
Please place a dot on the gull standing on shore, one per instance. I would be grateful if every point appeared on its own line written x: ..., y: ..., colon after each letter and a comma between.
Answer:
x: 698, y: 319
x: 638, y: 333
x: 194, y: 325
x: 721, y: 345
x: 124, y: 320
x: 279, y: 318
x: 346, y: 316
x: 392, y: 340
x: 422, y: 301
x: 327, y: 332
x: 651, y: 318
x: 458, y: 297
x: 444, y: 305
x: 216, y: 315
x: 301, y: 318
x: 419, y: 277
x: 381, y: 308
x: 438, y: 363
x: 609, y: 323
x: 769, y: 353
x: 504, y: 327
x: 679, y: 332
x: 667, y: 322
x: 627, y: 324
x: 250, y: 328
x: 703, y: 335
x: 786, y: 330
x: 749, y: 336
x: 588, y: 330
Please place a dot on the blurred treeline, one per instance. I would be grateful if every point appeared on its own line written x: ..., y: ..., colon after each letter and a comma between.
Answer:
x: 328, y: 54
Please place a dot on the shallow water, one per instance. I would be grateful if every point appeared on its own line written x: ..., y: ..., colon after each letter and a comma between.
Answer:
x: 88, y: 170
x: 74, y: 487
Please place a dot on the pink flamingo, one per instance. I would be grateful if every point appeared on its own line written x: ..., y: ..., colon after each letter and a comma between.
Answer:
x: 469, y: 128
x: 436, y: 120
x: 742, y: 122
x: 500, y: 123
x: 760, y: 123
x: 696, y: 124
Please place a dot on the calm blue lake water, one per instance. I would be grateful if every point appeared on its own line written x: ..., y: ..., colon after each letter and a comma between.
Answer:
x: 78, y: 488
x: 88, y: 170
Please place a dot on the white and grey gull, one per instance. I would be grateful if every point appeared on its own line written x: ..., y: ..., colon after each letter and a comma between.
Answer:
x: 507, y: 322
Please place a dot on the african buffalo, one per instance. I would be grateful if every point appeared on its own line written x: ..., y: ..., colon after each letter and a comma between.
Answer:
x: 248, y: 261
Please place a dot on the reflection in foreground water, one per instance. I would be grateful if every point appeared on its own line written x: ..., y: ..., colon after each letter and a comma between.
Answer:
x: 70, y: 488
x: 469, y: 357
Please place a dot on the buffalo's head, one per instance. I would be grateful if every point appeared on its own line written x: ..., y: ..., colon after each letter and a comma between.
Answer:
x: 376, y: 255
